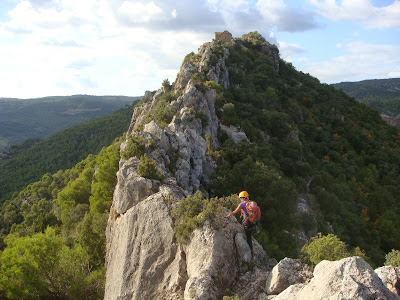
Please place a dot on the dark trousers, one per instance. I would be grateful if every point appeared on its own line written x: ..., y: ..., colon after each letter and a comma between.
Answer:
x: 247, y: 226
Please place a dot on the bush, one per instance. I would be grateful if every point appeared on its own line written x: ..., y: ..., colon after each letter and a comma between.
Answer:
x: 147, y: 169
x: 328, y: 247
x: 229, y: 116
x: 166, y: 83
x: 135, y: 147
x: 203, y: 118
x: 191, y: 58
x: 194, y: 210
x: 393, y: 258
x: 162, y: 112
x: 198, y: 81
x: 215, y: 86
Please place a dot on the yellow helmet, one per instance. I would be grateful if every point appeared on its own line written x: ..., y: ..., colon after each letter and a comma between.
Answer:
x: 243, y: 194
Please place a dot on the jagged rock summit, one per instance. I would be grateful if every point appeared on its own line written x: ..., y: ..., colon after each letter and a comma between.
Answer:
x: 179, y: 126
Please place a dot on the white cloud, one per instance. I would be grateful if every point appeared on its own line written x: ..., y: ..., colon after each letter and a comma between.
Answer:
x: 361, y: 61
x: 285, y: 17
x: 362, y: 11
x: 289, y: 50
x: 174, y: 13
x: 137, y: 12
x: 61, y: 47
x: 98, y: 55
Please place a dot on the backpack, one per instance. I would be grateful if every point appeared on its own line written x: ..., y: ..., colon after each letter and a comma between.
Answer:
x: 253, y: 211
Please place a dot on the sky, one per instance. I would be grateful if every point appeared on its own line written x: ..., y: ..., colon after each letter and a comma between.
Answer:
x: 126, y: 47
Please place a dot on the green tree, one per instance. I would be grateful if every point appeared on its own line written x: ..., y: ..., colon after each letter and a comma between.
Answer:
x: 166, y: 83
x: 328, y: 247
x: 41, y: 266
x: 90, y: 234
x: 105, y: 179
x: 393, y: 258
x: 76, y: 192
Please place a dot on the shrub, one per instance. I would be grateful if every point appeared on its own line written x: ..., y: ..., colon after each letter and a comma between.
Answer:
x: 147, y: 169
x: 215, y: 86
x: 162, y: 112
x: 203, y: 118
x: 328, y: 247
x: 166, y: 83
x: 135, y: 147
x: 229, y: 116
x: 191, y: 58
x: 194, y: 210
x: 393, y: 258
x: 198, y: 81
x: 185, y: 216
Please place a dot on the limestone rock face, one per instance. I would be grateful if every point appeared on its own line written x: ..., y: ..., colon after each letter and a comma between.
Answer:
x: 349, y: 278
x: 287, y: 272
x: 214, y: 262
x: 390, y: 277
x: 144, y: 260
x: 131, y: 187
x: 307, y: 215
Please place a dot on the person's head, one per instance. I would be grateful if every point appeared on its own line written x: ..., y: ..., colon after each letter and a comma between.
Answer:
x: 244, y: 196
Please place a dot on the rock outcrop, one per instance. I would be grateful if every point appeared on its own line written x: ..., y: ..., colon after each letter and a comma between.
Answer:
x: 144, y: 260
x: 286, y: 273
x: 349, y: 278
x: 390, y: 277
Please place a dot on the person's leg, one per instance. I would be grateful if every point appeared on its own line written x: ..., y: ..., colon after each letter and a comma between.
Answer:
x: 247, y: 229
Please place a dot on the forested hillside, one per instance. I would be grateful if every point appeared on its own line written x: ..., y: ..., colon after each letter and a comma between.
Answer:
x: 60, y: 151
x: 381, y: 94
x: 321, y: 145
x: 22, y: 119
x: 307, y: 143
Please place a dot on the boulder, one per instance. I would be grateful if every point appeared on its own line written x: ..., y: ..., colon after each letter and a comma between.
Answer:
x: 234, y: 133
x: 287, y: 272
x: 349, y: 278
x: 390, y: 277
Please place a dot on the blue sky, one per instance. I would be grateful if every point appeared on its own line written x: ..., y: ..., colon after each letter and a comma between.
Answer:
x: 125, y: 47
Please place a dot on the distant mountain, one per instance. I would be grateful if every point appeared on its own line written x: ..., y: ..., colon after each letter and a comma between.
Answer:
x: 21, y: 119
x: 29, y: 161
x: 381, y: 94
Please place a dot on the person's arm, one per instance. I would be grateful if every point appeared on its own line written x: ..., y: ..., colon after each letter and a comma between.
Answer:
x: 234, y: 212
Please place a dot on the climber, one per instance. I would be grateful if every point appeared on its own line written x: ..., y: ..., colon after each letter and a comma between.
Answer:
x: 250, y: 214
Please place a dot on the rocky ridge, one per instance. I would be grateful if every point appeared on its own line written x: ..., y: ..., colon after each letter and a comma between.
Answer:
x: 144, y: 259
